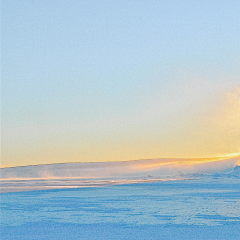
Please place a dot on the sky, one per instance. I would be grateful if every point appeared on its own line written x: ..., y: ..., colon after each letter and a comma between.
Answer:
x: 95, y: 81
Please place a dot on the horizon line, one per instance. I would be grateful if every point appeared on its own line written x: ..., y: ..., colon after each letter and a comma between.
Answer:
x: 225, y: 157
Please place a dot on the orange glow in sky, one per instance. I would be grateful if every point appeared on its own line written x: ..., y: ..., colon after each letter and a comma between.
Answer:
x: 85, y: 84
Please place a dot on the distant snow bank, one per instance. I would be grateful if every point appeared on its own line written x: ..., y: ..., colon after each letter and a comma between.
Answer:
x: 75, y: 175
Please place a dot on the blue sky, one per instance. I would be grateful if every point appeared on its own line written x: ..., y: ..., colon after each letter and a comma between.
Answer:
x: 123, y: 79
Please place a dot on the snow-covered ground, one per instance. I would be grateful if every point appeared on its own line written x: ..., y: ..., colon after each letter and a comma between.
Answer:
x: 75, y: 175
x: 160, y: 203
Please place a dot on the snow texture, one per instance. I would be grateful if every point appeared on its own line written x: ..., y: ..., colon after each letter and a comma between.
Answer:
x: 189, y: 205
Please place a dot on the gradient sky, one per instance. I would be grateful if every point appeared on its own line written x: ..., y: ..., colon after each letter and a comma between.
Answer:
x: 87, y: 81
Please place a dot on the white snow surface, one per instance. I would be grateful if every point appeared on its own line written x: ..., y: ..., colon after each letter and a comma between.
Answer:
x: 122, y: 201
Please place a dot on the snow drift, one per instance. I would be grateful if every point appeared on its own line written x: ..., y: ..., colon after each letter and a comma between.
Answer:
x: 74, y: 175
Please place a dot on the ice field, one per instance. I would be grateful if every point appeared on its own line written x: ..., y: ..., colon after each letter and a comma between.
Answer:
x: 186, y: 205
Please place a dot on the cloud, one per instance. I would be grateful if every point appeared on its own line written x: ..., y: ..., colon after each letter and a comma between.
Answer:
x: 181, y: 115
x: 225, y: 119
x: 229, y: 113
